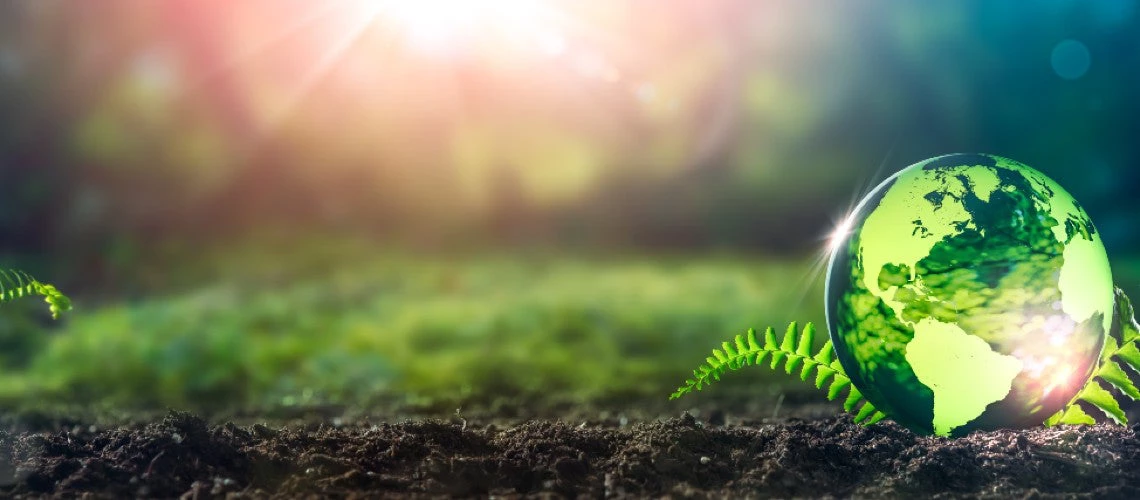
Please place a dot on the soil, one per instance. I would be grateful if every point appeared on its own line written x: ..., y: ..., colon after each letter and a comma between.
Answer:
x: 809, y: 452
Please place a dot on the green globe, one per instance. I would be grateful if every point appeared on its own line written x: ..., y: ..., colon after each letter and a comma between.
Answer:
x: 968, y: 292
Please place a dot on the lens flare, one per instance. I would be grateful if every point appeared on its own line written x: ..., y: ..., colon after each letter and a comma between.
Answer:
x: 448, y: 25
x: 839, y: 234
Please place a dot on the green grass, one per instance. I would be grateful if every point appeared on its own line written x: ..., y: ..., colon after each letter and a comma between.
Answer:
x: 386, y: 325
x: 344, y: 322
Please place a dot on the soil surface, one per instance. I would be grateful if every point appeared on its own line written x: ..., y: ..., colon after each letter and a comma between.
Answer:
x: 811, y: 453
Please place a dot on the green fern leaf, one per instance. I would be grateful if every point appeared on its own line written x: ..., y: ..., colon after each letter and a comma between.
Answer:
x: 1119, y: 347
x: 805, y: 372
x: 853, y: 398
x: 753, y: 345
x: 787, y: 346
x: 728, y: 349
x: 821, y: 376
x: 720, y: 356
x: 837, y: 385
x: 806, y: 340
x: 794, y: 350
x: 777, y: 357
x: 1129, y: 328
x: 865, y: 412
x: 1115, y: 375
x: 770, y: 342
x: 823, y: 357
x: 15, y: 284
x: 1097, y: 396
x: 1071, y: 415
x: 791, y: 364
x: 758, y: 357
x: 875, y: 417
x: 789, y: 343
x: 1130, y: 355
x: 772, y: 346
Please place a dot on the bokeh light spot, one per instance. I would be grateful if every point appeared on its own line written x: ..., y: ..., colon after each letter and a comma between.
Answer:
x: 1071, y: 59
x: 645, y: 92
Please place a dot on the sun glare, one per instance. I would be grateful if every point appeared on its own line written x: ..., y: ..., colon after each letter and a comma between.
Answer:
x: 839, y: 235
x: 446, y: 25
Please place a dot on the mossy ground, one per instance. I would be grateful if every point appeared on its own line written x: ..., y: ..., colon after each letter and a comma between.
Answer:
x: 351, y: 324
x: 276, y: 324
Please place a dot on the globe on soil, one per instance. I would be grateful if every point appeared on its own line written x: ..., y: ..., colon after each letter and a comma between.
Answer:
x: 968, y: 292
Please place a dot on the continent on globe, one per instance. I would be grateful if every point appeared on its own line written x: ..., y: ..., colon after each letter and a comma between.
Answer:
x: 971, y: 292
x: 965, y: 374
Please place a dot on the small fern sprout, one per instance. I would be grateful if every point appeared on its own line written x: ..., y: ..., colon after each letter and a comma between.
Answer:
x: 794, y: 351
x: 16, y: 284
x: 1120, y: 351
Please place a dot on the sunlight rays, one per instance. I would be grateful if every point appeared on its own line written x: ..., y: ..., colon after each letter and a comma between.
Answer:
x: 305, y: 20
x: 330, y: 73
x: 444, y: 26
x: 314, y: 75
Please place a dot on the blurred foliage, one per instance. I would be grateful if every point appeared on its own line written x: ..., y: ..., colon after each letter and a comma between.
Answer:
x: 353, y: 323
x: 414, y: 327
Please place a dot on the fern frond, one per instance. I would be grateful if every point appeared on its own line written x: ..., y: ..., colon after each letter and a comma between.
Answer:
x: 1103, y: 400
x: 794, y: 350
x: 1119, y: 349
x: 16, y: 284
x: 1071, y: 415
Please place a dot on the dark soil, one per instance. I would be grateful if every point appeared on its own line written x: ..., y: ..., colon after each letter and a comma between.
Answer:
x: 717, y: 455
